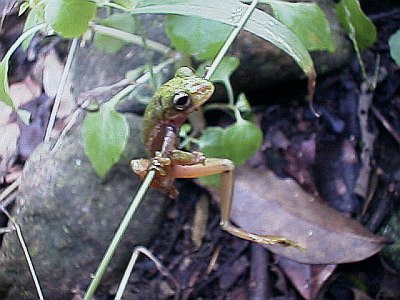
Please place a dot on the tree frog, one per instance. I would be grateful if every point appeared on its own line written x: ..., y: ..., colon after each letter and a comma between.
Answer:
x: 167, y: 111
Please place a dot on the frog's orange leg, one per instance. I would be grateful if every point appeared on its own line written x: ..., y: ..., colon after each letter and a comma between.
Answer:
x: 212, y: 166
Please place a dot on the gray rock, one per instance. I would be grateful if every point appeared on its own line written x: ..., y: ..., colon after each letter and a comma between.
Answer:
x: 68, y: 215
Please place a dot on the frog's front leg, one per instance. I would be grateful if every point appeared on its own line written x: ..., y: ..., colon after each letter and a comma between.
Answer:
x: 212, y: 166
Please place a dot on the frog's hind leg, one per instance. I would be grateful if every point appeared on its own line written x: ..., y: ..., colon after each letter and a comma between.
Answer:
x: 226, y: 168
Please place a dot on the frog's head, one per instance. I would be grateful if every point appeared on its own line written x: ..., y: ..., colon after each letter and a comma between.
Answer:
x: 184, y: 93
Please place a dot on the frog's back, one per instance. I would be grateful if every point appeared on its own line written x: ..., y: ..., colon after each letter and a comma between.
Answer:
x: 153, y: 127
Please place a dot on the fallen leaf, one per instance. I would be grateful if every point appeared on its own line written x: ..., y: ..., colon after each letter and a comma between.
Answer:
x: 8, y: 147
x: 267, y: 205
x: 307, y: 279
x: 33, y: 134
x: 24, y: 91
x: 5, y: 112
x: 53, y: 68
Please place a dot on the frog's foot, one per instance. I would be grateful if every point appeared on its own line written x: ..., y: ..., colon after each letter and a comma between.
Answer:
x: 261, y: 239
x: 180, y: 157
x: 159, y: 162
x: 141, y: 166
x: 199, y: 157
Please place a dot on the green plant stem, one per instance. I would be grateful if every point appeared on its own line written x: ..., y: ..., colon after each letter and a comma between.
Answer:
x: 130, y: 38
x: 141, y: 80
x: 21, y: 39
x: 229, y: 90
x: 150, y: 175
x: 230, y: 40
x: 25, y: 251
x: 146, y: 51
x: 119, y: 234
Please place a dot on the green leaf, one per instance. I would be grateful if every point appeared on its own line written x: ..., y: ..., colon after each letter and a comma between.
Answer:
x: 125, y: 3
x: 229, y: 12
x: 242, y: 140
x: 211, y: 142
x: 237, y: 142
x: 189, y: 35
x: 108, y: 44
x: 32, y: 20
x: 243, y: 104
x: 105, y: 134
x: 225, y: 69
x: 70, y: 18
x: 394, y: 45
x: 4, y: 90
x: 355, y: 23
x: 307, y: 21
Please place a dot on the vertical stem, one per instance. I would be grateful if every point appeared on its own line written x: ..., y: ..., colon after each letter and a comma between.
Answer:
x: 60, y: 90
x: 118, y: 235
x: 230, y: 39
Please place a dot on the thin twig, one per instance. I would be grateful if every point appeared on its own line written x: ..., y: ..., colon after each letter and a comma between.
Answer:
x: 230, y: 40
x: 386, y: 124
x: 7, y: 192
x: 60, y: 89
x: 163, y: 270
x: 259, y: 279
x: 26, y: 253
x: 130, y: 38
x: 119, y: 234
x: 367, y: 137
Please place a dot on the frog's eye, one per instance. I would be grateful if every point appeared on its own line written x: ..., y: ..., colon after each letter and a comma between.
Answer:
x: 182, y: 101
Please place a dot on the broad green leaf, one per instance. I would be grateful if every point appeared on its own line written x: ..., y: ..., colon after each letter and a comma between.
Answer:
x: 125, y: 3
x: 105, y: 134
x: 237, y: 142
x: 70, y: 18
x: 108, y: 44
x: 394, y: 44
x: 225, y: 69
x: 307, y: 21
x: 4, y: 89
x: 242, y: 140
x: 189, y: 35
x: 211, y: 142
x: 355, y: 23
x: 229, y: 12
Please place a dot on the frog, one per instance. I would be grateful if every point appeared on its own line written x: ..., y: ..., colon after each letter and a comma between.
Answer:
x: 169, y: 108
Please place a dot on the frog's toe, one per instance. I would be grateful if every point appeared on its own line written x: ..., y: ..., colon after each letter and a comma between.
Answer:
x: 199, y: 157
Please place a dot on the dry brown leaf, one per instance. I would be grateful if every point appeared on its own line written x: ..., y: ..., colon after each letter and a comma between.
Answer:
x: 266, y: 205
x: 52, y: 72
x: 200, y: 218
x: 307, y: 279
x: 8, y: 147
x: 24, y: 91
x: 53, y: 68
x: 5, y: 112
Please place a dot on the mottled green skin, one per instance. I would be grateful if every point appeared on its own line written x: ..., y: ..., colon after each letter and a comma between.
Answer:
x: 160, y: 112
